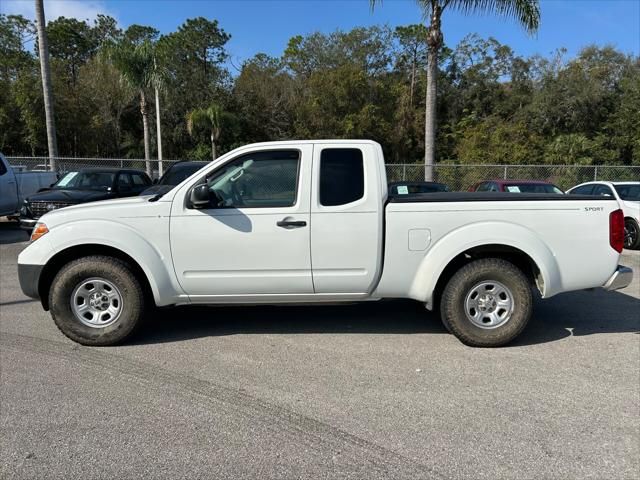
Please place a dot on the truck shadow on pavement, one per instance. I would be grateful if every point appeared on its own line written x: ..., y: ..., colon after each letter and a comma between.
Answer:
x: 572, y: 314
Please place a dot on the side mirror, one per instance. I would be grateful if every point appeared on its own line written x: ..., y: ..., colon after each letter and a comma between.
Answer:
x: 199, y: 196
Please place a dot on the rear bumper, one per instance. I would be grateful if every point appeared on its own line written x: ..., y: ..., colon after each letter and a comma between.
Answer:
x: 29, y: 277
x: 621, y: 278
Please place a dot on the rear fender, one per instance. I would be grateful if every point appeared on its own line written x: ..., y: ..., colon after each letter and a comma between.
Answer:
x: 474, y: 235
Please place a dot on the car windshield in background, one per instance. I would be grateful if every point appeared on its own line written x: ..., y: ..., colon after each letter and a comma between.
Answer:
x: 531, y: 188
x: 629, y: 192
x: 178, y: 173
x: 86, y: 181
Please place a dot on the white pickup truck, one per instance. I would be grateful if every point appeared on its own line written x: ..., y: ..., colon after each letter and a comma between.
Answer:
x: 16, y: 185
x: 311, y: 222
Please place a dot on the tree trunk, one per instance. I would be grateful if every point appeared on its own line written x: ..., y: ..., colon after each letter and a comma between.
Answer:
x: 414, y: 67
x: 430, y: 117
x: 434, y: 41
x: 214, y: 153
x: 158, y: 130
x: 145, y: 127
x: 45, y: 71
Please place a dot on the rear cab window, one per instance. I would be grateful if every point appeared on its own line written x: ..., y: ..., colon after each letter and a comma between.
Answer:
x: 341, y: 176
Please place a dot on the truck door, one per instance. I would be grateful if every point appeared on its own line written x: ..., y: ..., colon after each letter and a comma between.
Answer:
x: 8, y: 189
x: 253, y: 239
x: 346, y: 218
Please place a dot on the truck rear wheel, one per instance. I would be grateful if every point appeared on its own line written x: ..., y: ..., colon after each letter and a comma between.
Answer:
x: 96, y: 300
x: 487, y: 303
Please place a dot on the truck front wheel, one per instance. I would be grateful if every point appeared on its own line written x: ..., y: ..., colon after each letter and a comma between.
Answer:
x: 96, y: 300
x: 487, y: 303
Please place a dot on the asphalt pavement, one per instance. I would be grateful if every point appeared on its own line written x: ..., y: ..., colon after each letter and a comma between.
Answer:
x: 376, y: 390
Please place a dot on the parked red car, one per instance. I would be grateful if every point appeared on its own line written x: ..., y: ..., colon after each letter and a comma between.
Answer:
x: 515, y: 186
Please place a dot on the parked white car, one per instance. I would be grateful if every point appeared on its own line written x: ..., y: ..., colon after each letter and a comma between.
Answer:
x: 16, y: 185
x: 312, y: 222
x: 628, y: 196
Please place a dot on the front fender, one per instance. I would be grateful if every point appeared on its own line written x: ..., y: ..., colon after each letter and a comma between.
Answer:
x: 478, y: 234
x: 156, y: 264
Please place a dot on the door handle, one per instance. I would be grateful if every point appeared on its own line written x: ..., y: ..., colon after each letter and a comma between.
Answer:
x: 286, y: 223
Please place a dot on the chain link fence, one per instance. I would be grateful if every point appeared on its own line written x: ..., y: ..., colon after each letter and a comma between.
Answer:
x: 67, y: 164
x: 462, y: 177
x: 457, y: 177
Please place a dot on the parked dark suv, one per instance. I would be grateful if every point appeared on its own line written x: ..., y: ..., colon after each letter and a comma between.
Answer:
x: 82, y: 186
x: 174, y: 175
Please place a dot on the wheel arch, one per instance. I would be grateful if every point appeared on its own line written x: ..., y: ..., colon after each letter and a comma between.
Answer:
x: 514, y: 255
x: 65, y: 256
x: 515, y: 243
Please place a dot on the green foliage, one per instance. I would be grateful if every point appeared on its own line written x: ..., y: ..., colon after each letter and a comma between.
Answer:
x: 494, y: 107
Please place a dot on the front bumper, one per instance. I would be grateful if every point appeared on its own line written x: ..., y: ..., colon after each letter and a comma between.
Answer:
x: 27, y: 223
x: 29, y: 277
x: 621, y: 278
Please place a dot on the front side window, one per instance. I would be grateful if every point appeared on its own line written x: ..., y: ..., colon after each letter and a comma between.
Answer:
x: 603, y: 191
x: 139, y: 180
x: 124, y: 182
x: 257, y: 180
x: 341, y: 176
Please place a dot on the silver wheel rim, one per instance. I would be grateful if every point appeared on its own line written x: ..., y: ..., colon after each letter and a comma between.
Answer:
x: 96, y: 302
x: 489, y: 304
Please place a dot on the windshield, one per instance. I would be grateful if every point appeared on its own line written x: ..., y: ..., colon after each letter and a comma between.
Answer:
x: 629, y: 192
x: 86, y: 181
x: 531, y: 188
x: 178, y: 173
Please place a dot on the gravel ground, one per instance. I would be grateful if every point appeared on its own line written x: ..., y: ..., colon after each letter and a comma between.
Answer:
x: 362, y: 391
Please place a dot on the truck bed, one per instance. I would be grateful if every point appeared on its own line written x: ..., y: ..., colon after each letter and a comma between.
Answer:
x: 489, y: 197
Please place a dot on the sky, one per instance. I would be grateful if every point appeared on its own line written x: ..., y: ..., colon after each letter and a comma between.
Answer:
x: 265, y: 26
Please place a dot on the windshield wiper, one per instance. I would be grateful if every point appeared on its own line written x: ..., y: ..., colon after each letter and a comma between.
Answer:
x: 156, y: 197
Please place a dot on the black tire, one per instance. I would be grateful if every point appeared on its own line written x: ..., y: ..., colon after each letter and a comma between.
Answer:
x: 631, y: 234
x: 463, y: 282
x: 113, y: 270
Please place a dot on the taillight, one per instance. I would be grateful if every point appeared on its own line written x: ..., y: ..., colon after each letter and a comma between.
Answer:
x: 616, y: 230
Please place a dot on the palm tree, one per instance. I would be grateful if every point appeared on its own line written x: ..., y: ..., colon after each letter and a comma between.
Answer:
x: 137, y: 67
x: 158, y: 123
x: 45, y: 71
x: 526, y: 12
x: 211, y: 119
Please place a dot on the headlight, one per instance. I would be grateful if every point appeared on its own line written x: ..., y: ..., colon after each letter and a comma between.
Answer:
x: 39, y: 230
